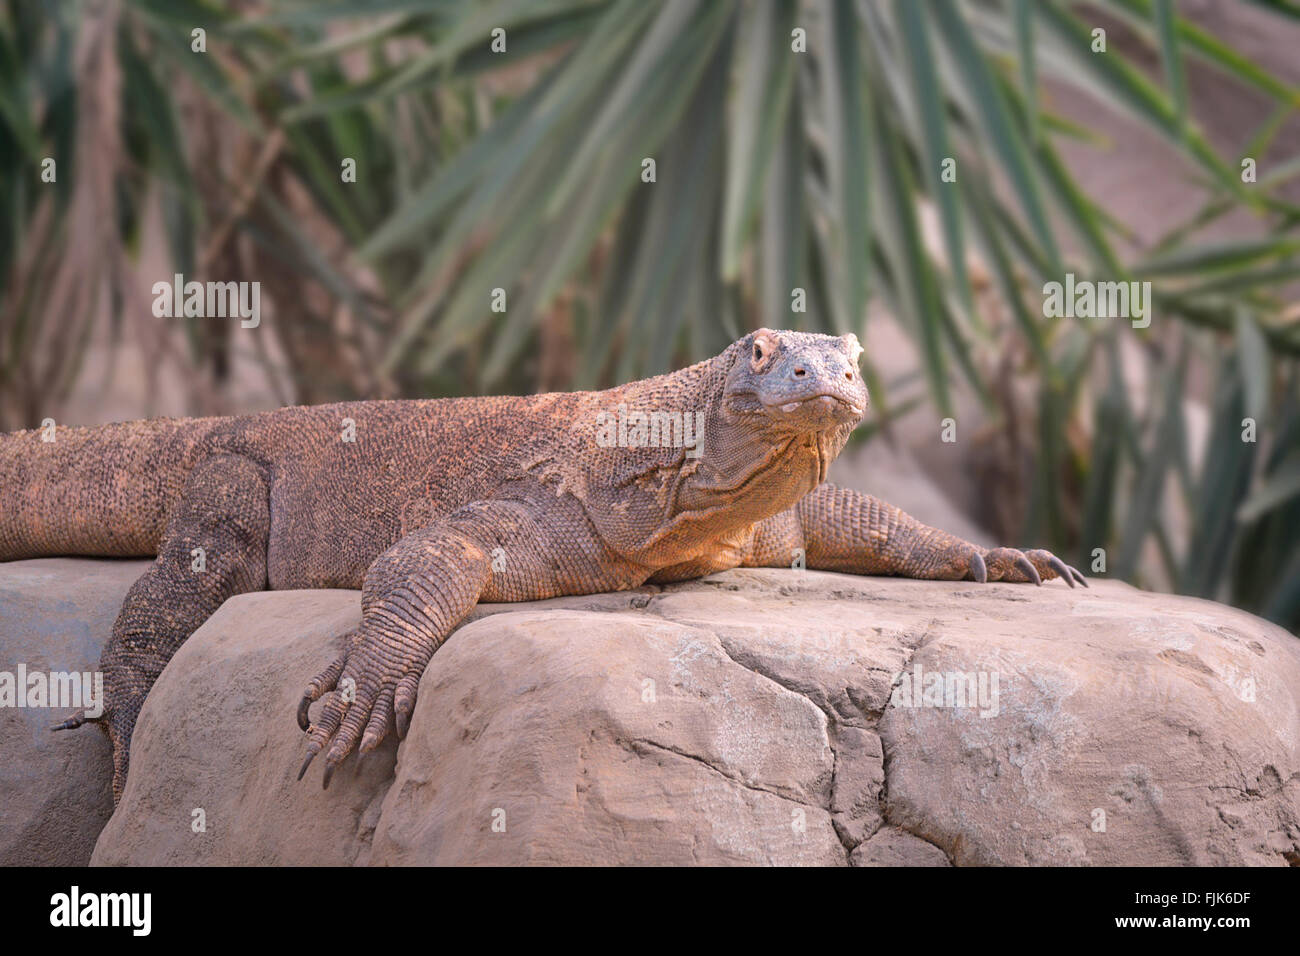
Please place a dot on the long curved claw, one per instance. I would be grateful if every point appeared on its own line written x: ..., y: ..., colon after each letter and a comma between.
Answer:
x: 1079, y: 577
x: 311, y: 755
x: 73, y: 722
x: 979, y: 571
x: 304, y: 720
x: 1026, y: 567
x: 1062, y: 570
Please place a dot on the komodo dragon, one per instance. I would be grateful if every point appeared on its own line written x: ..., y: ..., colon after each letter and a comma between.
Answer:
x: 438, y: 504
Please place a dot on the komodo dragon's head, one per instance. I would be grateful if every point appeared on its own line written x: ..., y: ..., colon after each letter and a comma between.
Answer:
x: 787, y: 405
x: 798, y: 381
x: 775, y: 409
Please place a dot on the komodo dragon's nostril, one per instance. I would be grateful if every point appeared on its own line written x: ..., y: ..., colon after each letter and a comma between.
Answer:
x: 800, y: 373
x: 849, y: 376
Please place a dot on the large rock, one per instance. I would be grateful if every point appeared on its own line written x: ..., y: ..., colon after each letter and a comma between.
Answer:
x: 758, y: 716
x: 209, y: 782
x: 55, y: 789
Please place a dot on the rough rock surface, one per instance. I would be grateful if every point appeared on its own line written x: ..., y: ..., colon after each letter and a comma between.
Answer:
x: 55, y: 793
x: 745, y: 718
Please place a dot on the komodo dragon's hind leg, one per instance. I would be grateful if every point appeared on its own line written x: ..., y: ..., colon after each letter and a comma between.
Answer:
x: 225, y: 512
x: 845, y: 530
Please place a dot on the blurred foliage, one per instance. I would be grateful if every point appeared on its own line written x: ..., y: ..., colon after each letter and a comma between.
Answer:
x: 521, y: 170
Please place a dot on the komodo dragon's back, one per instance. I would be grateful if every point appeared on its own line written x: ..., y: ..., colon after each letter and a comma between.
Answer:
x: 108, y: 490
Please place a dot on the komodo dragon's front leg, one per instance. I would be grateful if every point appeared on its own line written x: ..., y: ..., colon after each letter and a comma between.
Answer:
x: 844, y: 530
x: 417, y: 592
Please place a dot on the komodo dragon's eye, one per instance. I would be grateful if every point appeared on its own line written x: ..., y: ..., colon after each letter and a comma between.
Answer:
x: 764, y: 346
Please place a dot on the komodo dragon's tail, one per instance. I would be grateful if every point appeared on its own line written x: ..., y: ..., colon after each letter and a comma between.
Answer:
x: 93, y: 491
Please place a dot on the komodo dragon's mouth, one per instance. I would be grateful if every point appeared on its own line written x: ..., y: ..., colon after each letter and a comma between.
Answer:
x: 821, y: 405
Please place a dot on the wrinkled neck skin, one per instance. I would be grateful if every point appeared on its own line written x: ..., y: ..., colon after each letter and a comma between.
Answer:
x: 749, y: 467
x: 752, y: 464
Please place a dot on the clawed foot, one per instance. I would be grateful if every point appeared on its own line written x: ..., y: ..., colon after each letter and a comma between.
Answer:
x: 1022, y: 567
x: 373, y: 683
x: 118, y: 724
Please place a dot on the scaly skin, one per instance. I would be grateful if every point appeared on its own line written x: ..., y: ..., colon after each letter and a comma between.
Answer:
x: 437, y: 505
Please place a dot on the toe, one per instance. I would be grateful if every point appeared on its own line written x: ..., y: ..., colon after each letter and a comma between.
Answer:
x: 377, y: 727
x: 1000, y: 564
x: 349, y: 731
x: 1050, y: 566
x: 324, y: 682
x: 404, y: 701
x: 331, y: 716
x: 1026, y: 567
